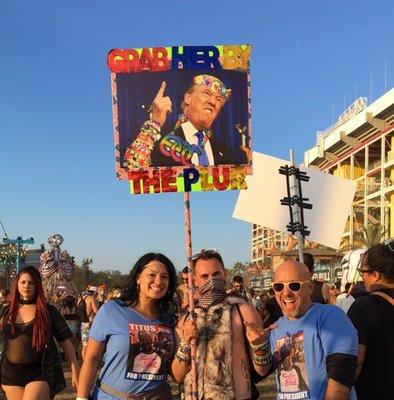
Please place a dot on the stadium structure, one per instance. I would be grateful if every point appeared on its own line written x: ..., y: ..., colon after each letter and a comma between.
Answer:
x: 359, y: 146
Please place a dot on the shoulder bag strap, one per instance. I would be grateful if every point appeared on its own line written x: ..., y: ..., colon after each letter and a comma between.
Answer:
x: 385, y: 296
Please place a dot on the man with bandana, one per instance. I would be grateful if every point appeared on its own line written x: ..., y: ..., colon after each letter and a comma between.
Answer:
x: 191, y: 141
x: 232, y: 346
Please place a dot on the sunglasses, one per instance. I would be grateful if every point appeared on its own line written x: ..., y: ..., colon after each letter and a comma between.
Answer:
x: 293, y: 286
x: 364, y: 271
x: 203, y: 252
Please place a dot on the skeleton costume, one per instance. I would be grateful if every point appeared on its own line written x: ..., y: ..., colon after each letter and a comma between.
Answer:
x: 214, y: 347
x: 56, y: 267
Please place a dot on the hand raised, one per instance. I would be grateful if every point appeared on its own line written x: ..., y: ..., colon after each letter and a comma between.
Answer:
x: 161, y: 106
x: 257, y: 335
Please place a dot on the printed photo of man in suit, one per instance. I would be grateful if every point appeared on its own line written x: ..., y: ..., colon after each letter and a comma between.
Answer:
x: 191, y: 142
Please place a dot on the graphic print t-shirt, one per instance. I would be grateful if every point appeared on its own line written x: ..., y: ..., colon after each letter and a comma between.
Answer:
x: 137, y: 349
x: 300, y: 348
x: 150, y: 346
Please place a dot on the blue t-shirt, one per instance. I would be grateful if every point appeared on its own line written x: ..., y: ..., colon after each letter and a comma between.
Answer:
x: 300, y: 348
x: 137, y: 353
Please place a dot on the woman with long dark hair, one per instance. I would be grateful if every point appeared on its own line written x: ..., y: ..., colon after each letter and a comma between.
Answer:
x: 134, y: 336
x: 30, y: 364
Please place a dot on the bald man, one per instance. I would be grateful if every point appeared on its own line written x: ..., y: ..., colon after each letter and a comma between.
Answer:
x: 314, y: 346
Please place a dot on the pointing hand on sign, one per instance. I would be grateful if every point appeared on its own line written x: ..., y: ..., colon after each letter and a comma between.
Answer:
x: 161, y: 106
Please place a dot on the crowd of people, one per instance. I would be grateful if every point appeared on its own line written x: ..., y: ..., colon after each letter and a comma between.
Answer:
x: 321, y: 342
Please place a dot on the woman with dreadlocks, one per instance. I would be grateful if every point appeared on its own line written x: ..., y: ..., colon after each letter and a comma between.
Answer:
x: 30, y: 363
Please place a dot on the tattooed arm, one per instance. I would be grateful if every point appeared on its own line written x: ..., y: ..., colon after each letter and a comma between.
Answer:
x: 185, y: 331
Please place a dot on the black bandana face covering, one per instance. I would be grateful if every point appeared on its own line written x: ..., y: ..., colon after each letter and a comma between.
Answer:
x: 212, y: 292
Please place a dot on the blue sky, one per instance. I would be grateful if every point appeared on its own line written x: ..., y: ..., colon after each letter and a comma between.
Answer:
x: 56, y: 155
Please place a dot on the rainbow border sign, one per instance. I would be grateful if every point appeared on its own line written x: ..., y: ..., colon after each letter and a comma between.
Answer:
x: 182, y: 117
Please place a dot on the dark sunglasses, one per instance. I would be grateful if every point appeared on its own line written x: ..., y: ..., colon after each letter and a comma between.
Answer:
x: 202, y: 252
x: 293, y: 286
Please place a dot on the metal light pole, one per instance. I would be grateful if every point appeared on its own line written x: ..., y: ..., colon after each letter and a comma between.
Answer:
x: 18, y: 242
x: 85, y: 268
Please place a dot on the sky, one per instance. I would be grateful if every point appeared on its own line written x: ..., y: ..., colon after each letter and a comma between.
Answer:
x: 310, y: 60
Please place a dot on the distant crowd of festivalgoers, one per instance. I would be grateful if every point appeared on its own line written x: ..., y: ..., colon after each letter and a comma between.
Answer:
x: 74, y: 307
x: 135, y: 336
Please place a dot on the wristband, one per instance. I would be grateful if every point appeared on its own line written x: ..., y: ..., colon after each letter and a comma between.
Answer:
x: 260, y: 346
x: 184, y: 345
x: 81, y: 398
x: 138, y: 154
x: 183, y: 352
x: 154, y: 125
x: 265, y: 360
x: 261, y: 353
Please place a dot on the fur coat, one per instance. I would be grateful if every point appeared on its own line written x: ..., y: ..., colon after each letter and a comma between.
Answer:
x: 214, y: 352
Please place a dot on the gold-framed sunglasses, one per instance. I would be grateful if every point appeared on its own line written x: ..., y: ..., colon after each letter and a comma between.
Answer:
x: 294, y: 286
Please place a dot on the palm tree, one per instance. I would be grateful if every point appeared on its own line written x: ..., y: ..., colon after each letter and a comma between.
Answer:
x: 372, y: 234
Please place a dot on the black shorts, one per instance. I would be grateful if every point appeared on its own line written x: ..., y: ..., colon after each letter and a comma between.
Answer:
x: 20, y: 374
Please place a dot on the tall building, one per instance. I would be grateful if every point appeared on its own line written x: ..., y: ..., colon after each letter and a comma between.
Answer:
x: 359, y: 146
x: 264, y: 242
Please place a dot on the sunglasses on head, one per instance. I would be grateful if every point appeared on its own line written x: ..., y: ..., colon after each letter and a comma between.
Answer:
x: 203, y: 252
x: 389, y: 244
x: 293, y: 286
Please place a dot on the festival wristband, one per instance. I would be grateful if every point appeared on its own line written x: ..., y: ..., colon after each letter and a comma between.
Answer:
x: 265, y: 360
x: 138, y: 154
x: 260, y: 347
x: 184, y: 347
x: 183, y: 353
x: 152, y: 129
x: 153, y: 124
x: 184, y: 343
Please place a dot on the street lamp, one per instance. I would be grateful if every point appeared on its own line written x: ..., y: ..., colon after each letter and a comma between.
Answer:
x: 85, y: 268
x: 18, y: 242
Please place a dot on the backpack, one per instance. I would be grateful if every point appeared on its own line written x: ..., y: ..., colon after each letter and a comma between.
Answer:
x: 83, y: 315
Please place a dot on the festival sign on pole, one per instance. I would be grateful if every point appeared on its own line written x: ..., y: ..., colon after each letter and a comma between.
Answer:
x: 182, y: 123
x: 182, y: 117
